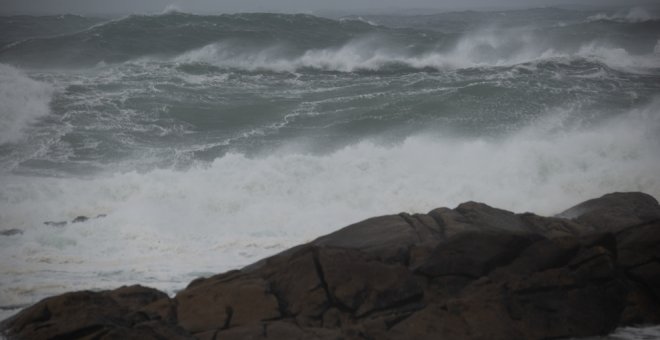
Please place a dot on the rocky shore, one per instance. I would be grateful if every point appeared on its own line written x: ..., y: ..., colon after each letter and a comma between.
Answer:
x: 473, y: 272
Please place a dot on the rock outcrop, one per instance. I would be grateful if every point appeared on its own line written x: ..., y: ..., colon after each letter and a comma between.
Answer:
x: 473, y: 272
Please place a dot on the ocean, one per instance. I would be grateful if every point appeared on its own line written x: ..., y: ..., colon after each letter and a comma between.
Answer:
x: 196, y: 144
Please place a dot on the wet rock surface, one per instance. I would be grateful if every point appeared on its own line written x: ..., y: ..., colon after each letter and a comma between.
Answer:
x: 473, y: 272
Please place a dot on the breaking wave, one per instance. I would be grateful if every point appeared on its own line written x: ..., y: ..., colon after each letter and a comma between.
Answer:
x: 238, y: 209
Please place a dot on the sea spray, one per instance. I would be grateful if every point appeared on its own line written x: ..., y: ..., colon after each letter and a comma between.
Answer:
x: 22, y: 102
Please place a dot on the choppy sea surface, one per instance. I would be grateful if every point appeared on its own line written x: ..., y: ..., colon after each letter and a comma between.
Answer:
x: 206, y: 142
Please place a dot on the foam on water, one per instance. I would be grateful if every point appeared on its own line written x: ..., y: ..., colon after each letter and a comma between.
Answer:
x: 165, y: 227
x: 22, y: 101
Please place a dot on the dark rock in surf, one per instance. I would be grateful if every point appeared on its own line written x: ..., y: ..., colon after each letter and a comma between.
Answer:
x: 474, y: 272
x: 11, y: 232
x: 56, y: 224
x: 80, y: 219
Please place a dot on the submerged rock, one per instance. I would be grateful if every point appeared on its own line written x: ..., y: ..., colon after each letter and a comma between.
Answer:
x: 474, y: 272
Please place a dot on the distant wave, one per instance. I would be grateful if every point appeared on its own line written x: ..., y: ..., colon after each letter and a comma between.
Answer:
x: 634, y: 15
x: 174, y: 33
x: 283, y: 42
x: 22, y: 101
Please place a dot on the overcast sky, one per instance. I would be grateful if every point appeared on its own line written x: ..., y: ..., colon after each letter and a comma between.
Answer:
x: 296, y: 6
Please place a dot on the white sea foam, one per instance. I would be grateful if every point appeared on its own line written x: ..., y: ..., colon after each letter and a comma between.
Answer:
x: 165, y: 227
x: 22, y: 101
x: 475, y: 49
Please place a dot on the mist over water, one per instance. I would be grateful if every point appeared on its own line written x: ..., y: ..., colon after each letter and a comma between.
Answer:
x: 209, y: 142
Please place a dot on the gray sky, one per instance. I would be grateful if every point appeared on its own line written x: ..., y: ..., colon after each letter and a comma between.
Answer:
x: 296, y: 6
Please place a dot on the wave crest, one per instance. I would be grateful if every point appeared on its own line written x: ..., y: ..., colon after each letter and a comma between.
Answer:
x: 376, y: 52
